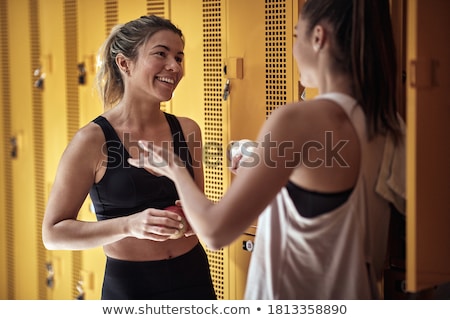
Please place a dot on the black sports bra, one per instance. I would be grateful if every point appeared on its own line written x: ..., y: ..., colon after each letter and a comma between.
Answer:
x: 125, y: 189
x: 311, y: 204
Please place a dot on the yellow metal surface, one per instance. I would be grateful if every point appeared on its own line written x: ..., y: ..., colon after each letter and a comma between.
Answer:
x: 54, y: 100
x: 24, y: 226
x: 130, y: 10
x: 428, y: 155
x: 4, y: 158
x: 190, y: 100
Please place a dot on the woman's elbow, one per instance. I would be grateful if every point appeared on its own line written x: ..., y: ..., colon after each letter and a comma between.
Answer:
x: 215, y: 241
x: 212, y: 245
x: 47, y: 243
x: 47, y: 239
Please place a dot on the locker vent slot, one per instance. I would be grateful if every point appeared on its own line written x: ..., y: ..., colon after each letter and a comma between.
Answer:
x: 276, y: 57
x: 7, y: 177
x: 111, y: 15
x: 38, y: 147
x: 73, y: 121
x: 213, y: 132
x: 157, y: 7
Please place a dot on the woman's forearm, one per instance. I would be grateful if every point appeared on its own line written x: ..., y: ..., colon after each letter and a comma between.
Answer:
x: 80, y: 235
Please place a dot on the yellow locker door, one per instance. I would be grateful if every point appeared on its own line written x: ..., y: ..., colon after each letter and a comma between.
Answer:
x: 245, y: 64
x: 199, y: 96
x: 58, y: 264
x: 245, y: 72
x: 21, y: 115
x: 428, y: 152
x: 5, y: 159
x: 262, y: 77
x: 22, y: 229
x: 24, y: 162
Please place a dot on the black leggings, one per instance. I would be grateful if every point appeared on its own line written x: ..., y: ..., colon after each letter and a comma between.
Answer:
x: 186, y: 277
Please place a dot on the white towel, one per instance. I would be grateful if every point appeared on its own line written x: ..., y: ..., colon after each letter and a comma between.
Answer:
x: 391, y: 182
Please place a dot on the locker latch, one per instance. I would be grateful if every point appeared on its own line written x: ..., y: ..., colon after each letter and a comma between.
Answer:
x: 226, y: 91
x: 81, y: 73
x: 50, y: 275
x: 14, y: 147
x: 39, y: 83
x: 80, y: 290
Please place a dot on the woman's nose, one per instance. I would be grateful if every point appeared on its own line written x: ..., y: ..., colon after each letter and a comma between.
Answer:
x: 174, y: 65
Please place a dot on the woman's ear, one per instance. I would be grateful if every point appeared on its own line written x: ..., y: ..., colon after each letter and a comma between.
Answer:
x: 319, y: 37
x: 123, y: 63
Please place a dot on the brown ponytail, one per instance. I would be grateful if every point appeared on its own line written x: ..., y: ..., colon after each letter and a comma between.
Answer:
x: 365, y: 50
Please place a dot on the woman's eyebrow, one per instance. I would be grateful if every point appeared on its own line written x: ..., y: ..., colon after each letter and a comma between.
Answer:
x: 167, y: 48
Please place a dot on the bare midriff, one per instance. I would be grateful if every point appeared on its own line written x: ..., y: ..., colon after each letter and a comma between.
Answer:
x: 133, y: 249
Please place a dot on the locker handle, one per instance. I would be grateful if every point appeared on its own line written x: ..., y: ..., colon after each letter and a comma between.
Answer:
x: 81, y: 73
x: 80, y: 290
x: 39, y: 83
x: 50, y: 275
x: 226, y: 91
x: 14, y: 147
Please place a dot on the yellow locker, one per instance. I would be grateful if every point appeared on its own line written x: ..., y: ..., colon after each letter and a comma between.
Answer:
x: 21, y: 217
x: 58, y: 264
x: 4, y: 151
x: 262, y: 77
x: 199, y: 96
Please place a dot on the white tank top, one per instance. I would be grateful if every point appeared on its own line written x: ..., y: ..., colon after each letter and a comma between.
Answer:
x: 337, y: 255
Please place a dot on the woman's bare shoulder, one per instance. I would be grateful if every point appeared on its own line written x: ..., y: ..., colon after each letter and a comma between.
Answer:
x: 89, y: 134
x: 309, y: 107
x: 189, y: 125
x: 85, y: 153
x: 309, y: 115
x: 87, y: 144
x: 295, y: 116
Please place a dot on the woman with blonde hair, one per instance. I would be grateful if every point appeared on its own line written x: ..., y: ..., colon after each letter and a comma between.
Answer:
x: 149, y: 252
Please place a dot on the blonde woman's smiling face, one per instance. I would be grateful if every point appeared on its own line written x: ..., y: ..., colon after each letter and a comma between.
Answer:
x: 159, y: 65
